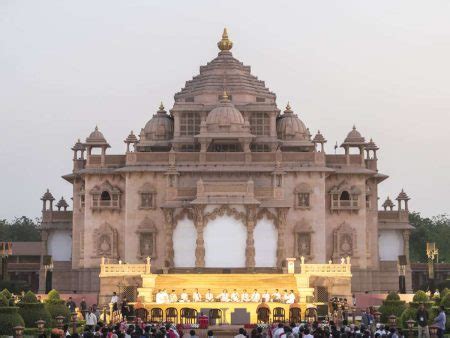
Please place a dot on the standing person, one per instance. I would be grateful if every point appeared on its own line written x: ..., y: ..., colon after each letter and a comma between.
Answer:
x: 114, y: 302
x: 91, y: 319
x: 83, y: 307
x: 440, y: 321
x: 422, y: 322
x: 125, y: 308
x: 71, y: 304
x: 241, y: 334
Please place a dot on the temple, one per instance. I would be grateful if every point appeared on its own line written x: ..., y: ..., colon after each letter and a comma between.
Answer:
x: 225, y: 183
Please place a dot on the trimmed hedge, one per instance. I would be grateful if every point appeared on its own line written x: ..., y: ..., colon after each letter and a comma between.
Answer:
x: 410, y: 312
x: 420, y: 297
x: 31, y: 310
x: 56, y: 306
x: 392, y: 305
x: 9, y: 317
x: 445, y: 301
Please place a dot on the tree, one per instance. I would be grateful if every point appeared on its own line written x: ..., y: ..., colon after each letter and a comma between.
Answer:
x: 21, y: 229
x: 435, y: 229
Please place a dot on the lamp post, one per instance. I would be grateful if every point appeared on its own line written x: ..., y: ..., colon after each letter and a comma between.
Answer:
x: 5, y: 252
x: 40, y: 326
x: 392, y: 321
x: 18, y: 331
x: 410, y: 322
x: 74, y: 319
x: 432, y: 252
x: 59, y: 321
x: 354, y: 314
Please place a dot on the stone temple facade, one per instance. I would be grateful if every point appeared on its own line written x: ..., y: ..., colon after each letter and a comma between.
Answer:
x: 225, y: 182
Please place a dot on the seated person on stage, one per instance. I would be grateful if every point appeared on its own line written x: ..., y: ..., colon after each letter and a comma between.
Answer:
x: 223, y: 297
x: 173, y: 298
x: 285, y: 296
x: 245, y: 297
x: 290, y: 297
x: 159, y: 297
x: 165, y: 296
x: 235, y: 296
x: 184, y: 298
x: 196, y: 296
x: 256, y: 297
x: 276, y: 296
x: 209, y: 297
x: 266, y: 296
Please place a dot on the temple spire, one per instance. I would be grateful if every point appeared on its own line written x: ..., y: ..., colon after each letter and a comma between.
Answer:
x: 225, y: 44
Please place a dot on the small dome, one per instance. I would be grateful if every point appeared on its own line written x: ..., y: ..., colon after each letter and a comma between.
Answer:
x: 402, y: 196
x: 225, y: 114
x: 318, y: 138
x: 78, y: 146
x: 371, y: 145
x: 225, y: 44
x: 388, y: 204
x: 131, y: 138
x: 47, y: 196
x: 290, y: 127
x: 62, y: 203
x: 354, y: 137
x: 96, y: 138
x: 160, y: 127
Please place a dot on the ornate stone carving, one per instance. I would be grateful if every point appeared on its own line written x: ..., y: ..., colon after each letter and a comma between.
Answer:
x: 250, y: 242
x: 281, y: 223
x: 344, y: 241
x: 225, y: 210
x: 302, y: 239
x: 169, y: 225
x: 264, y: 212
x: 106, y: 241
x: 200, y: 242
x: 147, y: 239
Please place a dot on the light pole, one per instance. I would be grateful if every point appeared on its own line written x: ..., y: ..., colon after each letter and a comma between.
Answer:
x: 40, y: 326
x: 432, y: 252
x: 5, y: 252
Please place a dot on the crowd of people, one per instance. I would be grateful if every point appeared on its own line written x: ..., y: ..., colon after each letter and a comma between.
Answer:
x: 164, y: 297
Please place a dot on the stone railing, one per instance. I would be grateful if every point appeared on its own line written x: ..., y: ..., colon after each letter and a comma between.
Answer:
x: 343, y: 269
x: 122, y: 269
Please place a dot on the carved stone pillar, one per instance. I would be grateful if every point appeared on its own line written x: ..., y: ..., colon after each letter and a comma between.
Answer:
x: 200, y: 242
x: 250, y: 243
x: 406, y: 244
x: 281, y: 224
x: 168, y: 215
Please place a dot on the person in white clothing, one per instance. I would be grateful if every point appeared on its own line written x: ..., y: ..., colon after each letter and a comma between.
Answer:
x: 173, y: 298
x: 184, y: 298
x: 223, y: 297
x: 291, y: 297
x: 276, y: 296
x: 159, y: 298
x: 196, y: 296
x: 285, y: 296
x: 245, y: 297
x: 115, y: 301
x: 209, y: 297
x: 256, y: 297
x: 91, y: 319
x: 164, y: 296
x: 266, y: 296
x: 235, y: 296
x: 278, y: 331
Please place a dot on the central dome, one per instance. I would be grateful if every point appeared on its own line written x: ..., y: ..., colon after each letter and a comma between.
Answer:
x: 225, y: 114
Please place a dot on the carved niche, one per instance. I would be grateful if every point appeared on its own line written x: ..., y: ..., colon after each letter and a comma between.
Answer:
x: 106, y: 241
x: 147, y: 239
x: 344, y: 241
x: 302, y: 196
x: 303, y: 240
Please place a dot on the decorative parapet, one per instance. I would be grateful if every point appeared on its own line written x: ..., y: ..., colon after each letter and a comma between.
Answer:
x: 122, y: 269
x: 327, y: 270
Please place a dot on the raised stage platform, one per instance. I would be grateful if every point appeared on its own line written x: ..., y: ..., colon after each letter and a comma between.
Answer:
x: 334, y: 278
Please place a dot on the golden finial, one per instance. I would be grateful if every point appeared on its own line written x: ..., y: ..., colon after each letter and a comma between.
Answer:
x: 224, y: 96
x: 225, y: 43
x: 288, y: 108
x: 161, y: 106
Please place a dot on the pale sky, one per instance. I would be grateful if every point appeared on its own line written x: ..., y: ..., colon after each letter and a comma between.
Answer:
x: 66, y: 66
